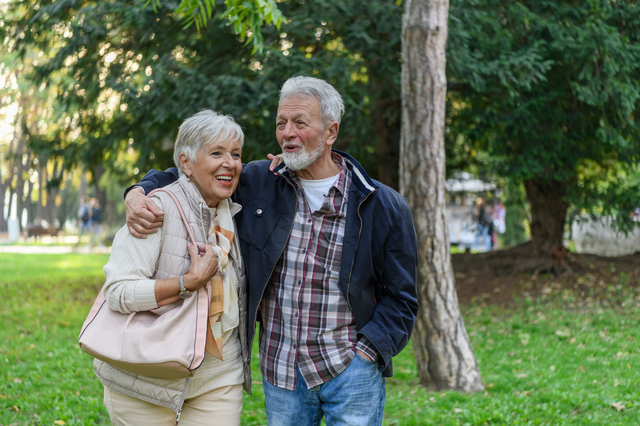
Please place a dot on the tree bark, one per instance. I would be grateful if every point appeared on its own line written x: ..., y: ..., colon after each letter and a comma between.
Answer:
x: 548, y: 217
x: 53, y: 189
x: 20, y: 181
x: 388, y: 135
x: 443, y: 352
x: 42, y: 191
x: 4, y: 186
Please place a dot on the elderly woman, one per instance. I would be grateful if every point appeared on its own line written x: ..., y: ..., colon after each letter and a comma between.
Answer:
x: 144, y: 274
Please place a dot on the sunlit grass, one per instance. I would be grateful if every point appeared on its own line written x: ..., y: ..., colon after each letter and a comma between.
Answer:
x: 553, y: 360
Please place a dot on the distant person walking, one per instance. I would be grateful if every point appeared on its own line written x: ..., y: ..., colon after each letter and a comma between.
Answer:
x: 84, y: 215
x: 484, y: 225
x: 96, y: 217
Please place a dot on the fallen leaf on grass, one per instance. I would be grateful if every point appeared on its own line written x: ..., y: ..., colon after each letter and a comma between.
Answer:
x: 457, y: 410
x: 17, y: 380
x: 563, y: 333
x: 618, y: 406
x: 60, y: 422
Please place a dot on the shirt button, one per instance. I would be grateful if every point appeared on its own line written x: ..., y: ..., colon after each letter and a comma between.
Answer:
x: 299, y: 282
x: 259, y: 211
x: 296, y: 315
x: 295, y: 346
x: 309, y: 220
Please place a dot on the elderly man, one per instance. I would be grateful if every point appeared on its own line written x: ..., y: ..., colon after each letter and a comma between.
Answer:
x: 331, y: 266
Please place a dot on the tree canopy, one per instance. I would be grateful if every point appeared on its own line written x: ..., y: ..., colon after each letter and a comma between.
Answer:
x: 540, y: 93
x: 548, y: 90
x: 132, y: 74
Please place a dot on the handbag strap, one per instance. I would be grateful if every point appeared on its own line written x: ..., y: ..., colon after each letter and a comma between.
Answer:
x: 182, y: 215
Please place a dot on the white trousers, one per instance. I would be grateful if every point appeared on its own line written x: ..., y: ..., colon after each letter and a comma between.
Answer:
x: 220, y: 407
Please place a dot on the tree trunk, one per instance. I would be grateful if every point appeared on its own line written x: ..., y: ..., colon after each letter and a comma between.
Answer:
x: 548, y: 217
x: 441, y: 345
x: 42, y: 191
x: 20, y: 196
x: 101, y: 193
x: 53, y: 189
x: 4, y: 186
x: 388, y: 135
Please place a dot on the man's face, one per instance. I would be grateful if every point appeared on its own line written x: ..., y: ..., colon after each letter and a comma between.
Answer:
x: 299, y: 130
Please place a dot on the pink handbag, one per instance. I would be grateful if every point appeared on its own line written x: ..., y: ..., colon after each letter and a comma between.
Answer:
x: 168, y: 342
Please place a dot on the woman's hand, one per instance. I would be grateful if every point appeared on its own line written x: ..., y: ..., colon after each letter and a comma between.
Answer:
x: 204, y: 265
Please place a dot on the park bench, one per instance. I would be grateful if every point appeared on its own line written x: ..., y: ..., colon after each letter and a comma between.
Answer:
x: 37, y: 231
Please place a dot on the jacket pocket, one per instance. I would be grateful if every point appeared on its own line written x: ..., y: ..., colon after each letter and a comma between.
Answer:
x: 257, y: 223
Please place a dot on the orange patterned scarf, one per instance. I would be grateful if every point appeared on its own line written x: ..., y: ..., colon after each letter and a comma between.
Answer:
x: 223, y: 311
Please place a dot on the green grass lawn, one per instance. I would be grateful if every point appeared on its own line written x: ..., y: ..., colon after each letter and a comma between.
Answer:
x: 555, y: 360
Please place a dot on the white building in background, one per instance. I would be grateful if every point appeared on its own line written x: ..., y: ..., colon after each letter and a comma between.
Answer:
x: 600, y: 238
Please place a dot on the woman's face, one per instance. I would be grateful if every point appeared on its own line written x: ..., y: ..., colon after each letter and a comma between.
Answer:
x: 216, y: 170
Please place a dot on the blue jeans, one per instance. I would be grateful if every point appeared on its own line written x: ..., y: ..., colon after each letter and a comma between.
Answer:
x: 354, y: 398
x: 483, y: 232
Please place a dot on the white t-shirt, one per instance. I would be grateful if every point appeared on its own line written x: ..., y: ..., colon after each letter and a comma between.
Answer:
x: 315, y: 190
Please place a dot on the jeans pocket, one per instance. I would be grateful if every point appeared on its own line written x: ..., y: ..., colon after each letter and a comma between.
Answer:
x: 365, y: 360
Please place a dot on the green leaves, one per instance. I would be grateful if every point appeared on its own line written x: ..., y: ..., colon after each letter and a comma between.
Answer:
x: 548, y: 88
x: 247, y: 17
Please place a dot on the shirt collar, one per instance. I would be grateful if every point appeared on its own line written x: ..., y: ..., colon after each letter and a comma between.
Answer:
x: 340, y: 184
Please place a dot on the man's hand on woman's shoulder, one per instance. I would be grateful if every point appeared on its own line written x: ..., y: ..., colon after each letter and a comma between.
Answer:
x: 143, y: 215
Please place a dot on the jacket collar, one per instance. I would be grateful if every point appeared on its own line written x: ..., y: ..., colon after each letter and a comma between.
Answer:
x: 197, y: 203
x: 359, y: 178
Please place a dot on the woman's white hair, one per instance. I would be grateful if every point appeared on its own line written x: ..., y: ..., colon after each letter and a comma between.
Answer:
x: 201, y: 128
x: 331, y: 103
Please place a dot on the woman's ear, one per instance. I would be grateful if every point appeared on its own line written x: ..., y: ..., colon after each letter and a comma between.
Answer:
x: 185, y: 163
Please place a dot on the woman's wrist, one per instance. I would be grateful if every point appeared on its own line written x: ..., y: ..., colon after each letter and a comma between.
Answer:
x: 191, y: 283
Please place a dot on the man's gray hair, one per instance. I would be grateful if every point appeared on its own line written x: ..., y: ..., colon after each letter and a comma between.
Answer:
x: 331, y: 103
x: 201, y: 128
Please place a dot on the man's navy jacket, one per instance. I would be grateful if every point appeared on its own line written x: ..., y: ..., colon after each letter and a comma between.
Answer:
x: 379, y: 253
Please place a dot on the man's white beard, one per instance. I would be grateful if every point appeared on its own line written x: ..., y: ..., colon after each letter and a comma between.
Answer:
x: 302, y: 159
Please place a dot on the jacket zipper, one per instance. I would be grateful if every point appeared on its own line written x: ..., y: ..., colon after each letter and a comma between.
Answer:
x: 264, y: 287
x: 184, y: 396
x: 354, y: 256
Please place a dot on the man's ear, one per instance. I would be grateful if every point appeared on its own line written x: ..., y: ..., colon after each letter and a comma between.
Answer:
x: 185, y: 163
x: 331, y: 133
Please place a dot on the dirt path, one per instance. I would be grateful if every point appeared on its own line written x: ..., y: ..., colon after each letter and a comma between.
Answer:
x: 482, y: 277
